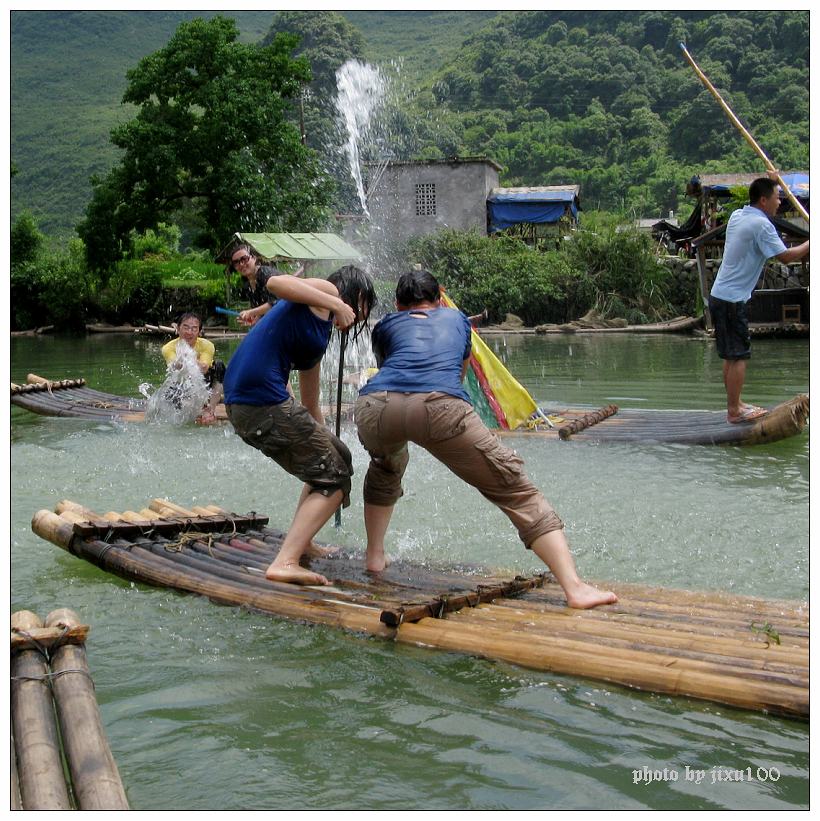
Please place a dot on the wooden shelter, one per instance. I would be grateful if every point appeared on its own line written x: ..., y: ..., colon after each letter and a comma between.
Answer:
x: 735, y: 650
x: 60, y: 758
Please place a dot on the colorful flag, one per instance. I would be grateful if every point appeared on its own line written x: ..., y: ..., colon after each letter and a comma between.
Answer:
x: 499, y: 399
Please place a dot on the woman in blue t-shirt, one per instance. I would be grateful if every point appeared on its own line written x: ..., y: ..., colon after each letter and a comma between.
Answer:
x: 293, y: 335
x: 422, y: 352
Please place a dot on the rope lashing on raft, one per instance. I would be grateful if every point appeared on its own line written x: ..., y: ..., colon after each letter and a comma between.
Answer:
x: 47, y: 654
x: 189, y: 536
x: 48, y: 677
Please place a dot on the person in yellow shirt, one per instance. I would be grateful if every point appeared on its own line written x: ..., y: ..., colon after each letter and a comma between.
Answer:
x: 213, y: 370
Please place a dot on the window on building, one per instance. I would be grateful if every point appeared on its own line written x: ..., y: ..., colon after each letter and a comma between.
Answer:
x: 426, y: 199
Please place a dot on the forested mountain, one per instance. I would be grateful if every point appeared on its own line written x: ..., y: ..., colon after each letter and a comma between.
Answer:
x: 603, y: 99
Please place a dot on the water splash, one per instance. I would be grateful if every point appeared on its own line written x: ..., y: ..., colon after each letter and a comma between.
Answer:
x: 360, y: 93
x: 358, y: 358
x: 181, y: 397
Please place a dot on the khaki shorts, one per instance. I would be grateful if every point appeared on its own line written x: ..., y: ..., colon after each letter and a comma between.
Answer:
x: 290, y: 436
x: 451, y: 431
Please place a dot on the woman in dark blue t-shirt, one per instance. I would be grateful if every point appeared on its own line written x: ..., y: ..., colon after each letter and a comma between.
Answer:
x: 422, y: 351
x: 293, y: 335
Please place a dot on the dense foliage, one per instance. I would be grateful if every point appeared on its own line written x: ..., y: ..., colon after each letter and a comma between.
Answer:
x: 154, y: 283
x: 66, y: 97
x: 210, y: 146
x: 612, y: 271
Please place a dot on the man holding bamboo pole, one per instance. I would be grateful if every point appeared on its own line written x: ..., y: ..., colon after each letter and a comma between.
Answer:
x: 751, y: 240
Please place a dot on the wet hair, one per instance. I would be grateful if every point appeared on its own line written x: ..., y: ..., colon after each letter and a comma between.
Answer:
x: 355, y: 289
x: 761, y: 187
x: 417, y: 286
x: 190, y: 315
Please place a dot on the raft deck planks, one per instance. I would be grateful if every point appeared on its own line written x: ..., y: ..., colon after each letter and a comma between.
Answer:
x: 735, y: 650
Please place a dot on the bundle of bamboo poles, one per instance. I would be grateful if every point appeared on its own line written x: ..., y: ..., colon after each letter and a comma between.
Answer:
x: 73, y: 398
x: 55, y: 718
x: 734, y: 650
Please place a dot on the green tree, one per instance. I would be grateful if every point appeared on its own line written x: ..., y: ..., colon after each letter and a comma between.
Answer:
x: 212, y: 138
x: 326, y: 40
x: 25, y: 240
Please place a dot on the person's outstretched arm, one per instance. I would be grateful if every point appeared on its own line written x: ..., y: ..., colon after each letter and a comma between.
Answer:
x: 319, y: 294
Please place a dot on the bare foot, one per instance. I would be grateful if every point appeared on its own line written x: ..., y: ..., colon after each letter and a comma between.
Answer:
x: 375, y: 564
x: 585, y: 596
x: 293, y: 573
x: 314, y: 551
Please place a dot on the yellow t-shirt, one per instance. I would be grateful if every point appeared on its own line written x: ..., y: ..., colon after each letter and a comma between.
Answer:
x: 204, y: 351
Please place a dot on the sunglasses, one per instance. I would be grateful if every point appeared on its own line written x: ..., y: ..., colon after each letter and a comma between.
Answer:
x: 240, y: 260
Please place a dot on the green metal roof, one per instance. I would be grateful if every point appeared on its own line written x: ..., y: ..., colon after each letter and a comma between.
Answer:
x: 292, y: 246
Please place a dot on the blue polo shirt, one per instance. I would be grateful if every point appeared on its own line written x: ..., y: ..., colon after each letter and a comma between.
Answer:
x: 289, y: 336
x: 751, y: 239
x: 418, y: 355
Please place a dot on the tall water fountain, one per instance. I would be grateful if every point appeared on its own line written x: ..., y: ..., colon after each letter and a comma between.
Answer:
x: 361, y: 91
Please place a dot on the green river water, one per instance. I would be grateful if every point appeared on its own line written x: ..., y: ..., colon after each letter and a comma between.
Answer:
x: 210, y: 707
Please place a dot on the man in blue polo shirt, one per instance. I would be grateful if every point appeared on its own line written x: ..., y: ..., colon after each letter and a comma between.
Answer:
x: 751, y: 239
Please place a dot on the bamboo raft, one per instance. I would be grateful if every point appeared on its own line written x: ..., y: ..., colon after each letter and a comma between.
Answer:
x: 736, y: 650
x: 55, y: 719
x: 613, y: 424
x: 73, y: 398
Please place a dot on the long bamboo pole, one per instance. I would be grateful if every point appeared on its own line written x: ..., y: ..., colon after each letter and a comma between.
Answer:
x: 747, y: 136
x: 94, y: 774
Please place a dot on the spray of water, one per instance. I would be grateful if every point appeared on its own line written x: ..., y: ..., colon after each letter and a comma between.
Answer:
x: 181, y: 397
x: 360, y: 93
x: 358, y: 358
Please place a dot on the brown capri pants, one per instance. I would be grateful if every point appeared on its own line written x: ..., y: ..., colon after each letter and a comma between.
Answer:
x: 451, y: 431
x: 290, y: 436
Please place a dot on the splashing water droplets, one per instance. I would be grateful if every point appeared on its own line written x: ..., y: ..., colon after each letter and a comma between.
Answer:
x: 181, y: 397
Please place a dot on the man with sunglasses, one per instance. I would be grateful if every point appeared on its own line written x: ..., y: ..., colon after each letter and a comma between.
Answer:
x: 255, y: 277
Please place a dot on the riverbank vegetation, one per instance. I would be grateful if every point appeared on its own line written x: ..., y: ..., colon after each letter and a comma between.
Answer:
x: 602, y: 266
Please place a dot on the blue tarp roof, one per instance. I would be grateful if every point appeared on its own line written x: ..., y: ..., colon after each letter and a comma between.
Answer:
x: 798, y: 184
x: 508, y: 207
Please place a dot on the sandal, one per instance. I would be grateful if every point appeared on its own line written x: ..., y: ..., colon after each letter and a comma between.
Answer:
x: 748, y: 413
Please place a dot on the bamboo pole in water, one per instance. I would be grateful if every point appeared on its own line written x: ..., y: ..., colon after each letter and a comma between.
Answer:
x: 629, y: 668
x: 94, y: 775
x: 39, y: 762
x: 525, y: 621
x: 14, y: 799
x: 687, y: 621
